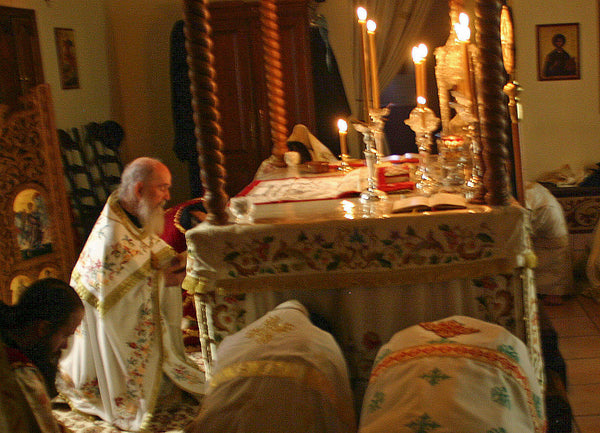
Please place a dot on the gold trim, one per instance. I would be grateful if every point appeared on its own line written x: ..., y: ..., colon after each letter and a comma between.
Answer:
x: 301, y: 373
x: 116, y: 295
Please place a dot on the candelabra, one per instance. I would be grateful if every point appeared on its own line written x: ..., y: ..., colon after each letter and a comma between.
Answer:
x: 378, y: 117
x: 371, y: 194
x: 423, y: 122
x: 470, y: 131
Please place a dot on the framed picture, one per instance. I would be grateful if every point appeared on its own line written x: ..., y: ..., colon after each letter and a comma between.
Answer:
x: 67, y: 60
x: 558, y: 51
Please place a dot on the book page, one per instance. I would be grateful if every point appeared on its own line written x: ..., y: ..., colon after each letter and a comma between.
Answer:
x: 417, y: 203
x: 446, y: 200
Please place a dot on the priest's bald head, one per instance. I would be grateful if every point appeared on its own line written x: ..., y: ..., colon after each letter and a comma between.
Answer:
x: 144, y: 192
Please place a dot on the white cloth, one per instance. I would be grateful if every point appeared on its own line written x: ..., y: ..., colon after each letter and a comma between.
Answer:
x: 129, y: 346
x: 550, y: 238
x: 318, y: 151
x: 458, y: 374
x: 279, y: 374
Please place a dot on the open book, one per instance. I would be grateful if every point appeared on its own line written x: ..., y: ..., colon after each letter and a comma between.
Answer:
x: 439, y: 201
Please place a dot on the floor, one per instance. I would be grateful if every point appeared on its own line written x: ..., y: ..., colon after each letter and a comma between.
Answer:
x: 577, y: 323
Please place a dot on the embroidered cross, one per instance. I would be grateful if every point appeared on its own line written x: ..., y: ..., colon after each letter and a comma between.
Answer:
x: 435, y: 376
x: 423, y: 424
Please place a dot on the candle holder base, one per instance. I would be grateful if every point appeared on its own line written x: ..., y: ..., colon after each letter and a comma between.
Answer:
x: 344, y: 166
x: 371, y: 195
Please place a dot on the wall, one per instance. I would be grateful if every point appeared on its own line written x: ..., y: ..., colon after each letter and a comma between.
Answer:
x: 123, y: 49
x: 139, y: 56
x: 561, y: 119
x: 91, y: 102
x: 560, y: 122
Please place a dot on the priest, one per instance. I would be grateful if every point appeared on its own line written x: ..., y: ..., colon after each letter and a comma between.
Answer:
x: 127, y: 357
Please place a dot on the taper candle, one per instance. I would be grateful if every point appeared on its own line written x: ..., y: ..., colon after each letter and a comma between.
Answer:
x: 419, y: 53
x: 371, y: 26
x: 463, y: 34
x: 361, y: 13
x: 343, y: 131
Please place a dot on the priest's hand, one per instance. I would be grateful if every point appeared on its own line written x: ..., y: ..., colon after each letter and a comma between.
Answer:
x: 175, y: 272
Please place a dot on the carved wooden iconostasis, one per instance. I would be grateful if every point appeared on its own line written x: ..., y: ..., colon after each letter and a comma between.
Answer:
x: 36, y: 231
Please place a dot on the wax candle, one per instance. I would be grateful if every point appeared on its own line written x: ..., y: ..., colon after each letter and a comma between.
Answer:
x: 463, y: 34
x: 343, y: 131
x: 419, y: 53
x: 361, y: 13
x: 371, y: 26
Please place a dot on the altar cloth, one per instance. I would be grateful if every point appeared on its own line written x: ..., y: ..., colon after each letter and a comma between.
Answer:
x: 367, y: 277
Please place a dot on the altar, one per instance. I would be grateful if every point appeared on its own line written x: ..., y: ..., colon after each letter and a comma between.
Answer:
x: 367, y: 277
x: 365, y: 271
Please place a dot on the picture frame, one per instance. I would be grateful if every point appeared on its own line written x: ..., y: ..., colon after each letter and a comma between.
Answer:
x: 67, y: 59
x: 558, y: 52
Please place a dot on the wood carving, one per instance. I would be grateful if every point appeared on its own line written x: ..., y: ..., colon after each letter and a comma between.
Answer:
x: 35, y: 221
x: 206, y: 115
x: 493, y: 113
x: 274, y: 78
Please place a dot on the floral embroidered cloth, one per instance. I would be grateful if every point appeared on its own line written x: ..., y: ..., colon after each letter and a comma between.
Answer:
x: 367, y: 277
x: 458, y: 374
x: 128, y: 352
x: 280, y: 374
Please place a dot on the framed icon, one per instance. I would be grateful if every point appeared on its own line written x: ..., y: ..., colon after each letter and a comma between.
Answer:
x: 558, y: 52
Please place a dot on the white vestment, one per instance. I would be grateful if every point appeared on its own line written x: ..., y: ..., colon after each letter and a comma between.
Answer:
x: 129, y: 345
x: 458, y: 374
x: 280, y: 374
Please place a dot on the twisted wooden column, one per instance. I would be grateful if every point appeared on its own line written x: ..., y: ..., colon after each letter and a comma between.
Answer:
x: 274, y: 78
x: 492, y: 108
x: 206, y: 115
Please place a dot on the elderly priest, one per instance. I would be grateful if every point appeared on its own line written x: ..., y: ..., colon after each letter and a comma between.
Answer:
x: 127, y: 357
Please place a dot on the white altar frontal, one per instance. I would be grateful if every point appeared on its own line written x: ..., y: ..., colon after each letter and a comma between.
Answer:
x: 367, y: 277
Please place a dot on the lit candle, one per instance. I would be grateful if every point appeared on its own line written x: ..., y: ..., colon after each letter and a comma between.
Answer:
x: 343, y: 130
x: 362, y: 19
x: 463, y: 34
x: 371, y: 26
x: 419, y: 54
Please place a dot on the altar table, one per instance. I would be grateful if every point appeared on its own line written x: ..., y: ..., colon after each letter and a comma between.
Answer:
x: 368, y: 277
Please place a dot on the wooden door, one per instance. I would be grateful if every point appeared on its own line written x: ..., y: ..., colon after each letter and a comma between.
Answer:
x: 20, y: 59
x: 240, y: 79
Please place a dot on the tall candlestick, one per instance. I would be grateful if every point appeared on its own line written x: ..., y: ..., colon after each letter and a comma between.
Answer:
x: 362, y: 19
x: 371, y: 26
x: 419, y: 54
x: 343, y: 131
x: 463, y: 34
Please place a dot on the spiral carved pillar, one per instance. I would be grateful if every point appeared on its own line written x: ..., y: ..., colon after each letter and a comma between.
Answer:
x: 206, y: 115
x: 492, y: 107
x: 274, y: 78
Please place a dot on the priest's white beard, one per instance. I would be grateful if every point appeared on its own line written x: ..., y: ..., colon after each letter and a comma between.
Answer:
x: 152, y: 219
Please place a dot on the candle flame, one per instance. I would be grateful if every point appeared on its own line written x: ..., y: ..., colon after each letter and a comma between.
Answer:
x: 361, y: 13
x: 342, y: 125
x: 371, y: 26
x: 419, y: 53
x: 463, y: 32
